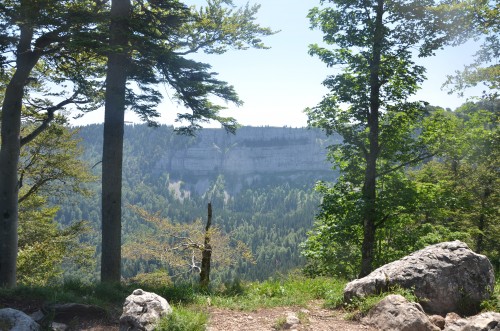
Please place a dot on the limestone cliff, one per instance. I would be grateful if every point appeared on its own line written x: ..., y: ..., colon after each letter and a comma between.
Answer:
x: 253, y: 152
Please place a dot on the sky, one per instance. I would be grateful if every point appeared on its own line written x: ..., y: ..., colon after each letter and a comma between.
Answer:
x: 277, y: 84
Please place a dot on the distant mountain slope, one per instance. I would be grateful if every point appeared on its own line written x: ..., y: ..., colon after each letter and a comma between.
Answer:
x: 260, y: 182
x: 291, y: 154
x: 248, y: 155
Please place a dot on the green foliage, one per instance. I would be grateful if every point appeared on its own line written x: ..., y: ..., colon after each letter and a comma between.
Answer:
x: 452, y: 197
x: 292, y: 290
x: 280, y: 323
x: 179, y: 246
x: 63, y: 66
x: 163, y: 35
x: 332, y: 246
x: 108, y: 296
x: 156, y: 279
x: 49, y: 163
x: 493, y: 304
x: 183, y: 319
x: 459, y: 192
x: 368, y: 105
x: 180, y: 293
x: 484, y: 70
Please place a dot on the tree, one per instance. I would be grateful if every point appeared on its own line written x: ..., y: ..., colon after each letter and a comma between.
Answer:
x: 148, y: 46
x: 112, y: 154
x: 183, y: 247
x: 460, y: 189
x: 372, y: 42
x: 41, y: 43
x: 206, y: 253
x: 49, y: 169
x: 485, y: 69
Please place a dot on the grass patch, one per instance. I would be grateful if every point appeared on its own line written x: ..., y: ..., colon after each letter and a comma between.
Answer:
x: 493, y: 304
x: 107, y: 296
x: 293, y: 290
x: 183, y: 319
x: 280, y: 323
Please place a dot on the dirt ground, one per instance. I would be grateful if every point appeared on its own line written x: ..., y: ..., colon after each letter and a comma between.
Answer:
x: 313, y: 318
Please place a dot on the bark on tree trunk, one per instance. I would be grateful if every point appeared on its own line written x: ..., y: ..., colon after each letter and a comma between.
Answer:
x: 116, y: 78
x: 206, y: 255
x: 9, y: 157
x: 370, y: 184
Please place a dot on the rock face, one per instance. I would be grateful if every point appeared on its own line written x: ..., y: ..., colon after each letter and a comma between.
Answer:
x: 142, y: 310
x: 15, y: 320
x: 250, y: 150
x: 395, y: 313
x: 483, y: 322
x: 248, y: 156
x: 447, y: 277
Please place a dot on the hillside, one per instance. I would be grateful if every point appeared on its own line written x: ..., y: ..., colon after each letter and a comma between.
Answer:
x: 260, y: 182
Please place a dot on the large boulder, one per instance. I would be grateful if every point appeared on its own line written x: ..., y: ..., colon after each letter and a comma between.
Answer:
x: 15, y: 320
x: 142, y: 310
x: 446, y: 277
x: 395, y: 313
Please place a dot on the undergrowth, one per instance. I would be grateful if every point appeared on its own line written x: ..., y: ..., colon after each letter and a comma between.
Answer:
x: 183, y: 319
x: 294, y: 290
x: 493, y: 304
x: 191, y: 303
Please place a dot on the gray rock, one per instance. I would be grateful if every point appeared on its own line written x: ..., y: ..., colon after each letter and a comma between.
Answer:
x: 291, y: 321
x: 483, y: 322
x: 446, y: 277
x: 395, y: 313
x: 438, y: 321
x: 453, y: 322
x: 15, y: 320
x: 142, y: 310
x: 54, y: 326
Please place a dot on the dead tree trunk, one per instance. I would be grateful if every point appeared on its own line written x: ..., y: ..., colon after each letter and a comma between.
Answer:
x: 206, y: 254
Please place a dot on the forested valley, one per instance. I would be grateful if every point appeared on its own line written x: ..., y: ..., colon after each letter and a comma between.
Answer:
x: 269, y: 208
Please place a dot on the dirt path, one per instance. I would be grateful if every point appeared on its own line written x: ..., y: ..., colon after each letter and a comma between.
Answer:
x: 313, y: 318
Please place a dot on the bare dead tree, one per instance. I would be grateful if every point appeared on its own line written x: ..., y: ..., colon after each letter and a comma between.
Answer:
x: 206, y: 254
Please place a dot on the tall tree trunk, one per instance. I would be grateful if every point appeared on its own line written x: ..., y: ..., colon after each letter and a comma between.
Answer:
x: 9, y: 157
x: 369, y: 186
x: 112, y: 155
x: 206, y: 254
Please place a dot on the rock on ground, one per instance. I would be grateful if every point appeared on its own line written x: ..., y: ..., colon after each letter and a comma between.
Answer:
x: 447, y: 277
x: 483, y: 322
x: 142, y: 310
x: 15, y: 320
x: 395, y: 313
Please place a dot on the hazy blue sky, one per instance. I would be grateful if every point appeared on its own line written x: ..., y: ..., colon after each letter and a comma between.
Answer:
x: 277, y: 84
